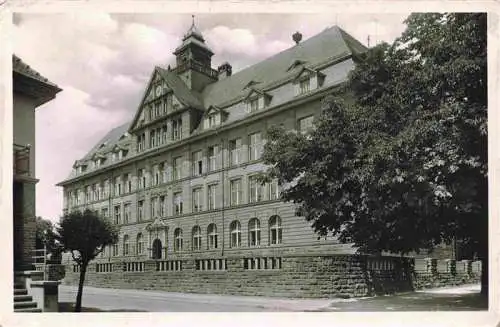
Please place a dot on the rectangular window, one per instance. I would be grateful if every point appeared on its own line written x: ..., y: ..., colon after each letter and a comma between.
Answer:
x: 177, y: 165
x: 141, y: 178
x: 304, y: 86
x: 164, y: 167
x: 140, y: 210
x: 235, y: 148
x: 156, y: 175
x: 118, y: 186
x: 118, y: 215
x: 128, y: 183
x: 254, y: 146
x: 273, y: 190
x: 164, y: 134
x: 154, y: 207
x: 152, y: 139
x: 178, y: 203
x: 127, y: 213
x: 104, y: 212
x: 197, y: 163
x: 106, y: 189
x: 177, y: 129
x: 212, y: 189
x: 236, y: 192
x: 163, y: 203
x: 115, y: 250
x: 255, y: 189
x: 212, y: 157
x: 305, y: 124
x: 197, y: 204
x: 212, y: 121
x: 254, y: 105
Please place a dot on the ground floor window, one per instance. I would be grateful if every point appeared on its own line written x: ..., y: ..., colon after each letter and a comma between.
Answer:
x: 156, y: 249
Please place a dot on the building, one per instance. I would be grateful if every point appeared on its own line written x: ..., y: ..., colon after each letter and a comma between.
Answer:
x: 31, y: 90
x: 180, y: 178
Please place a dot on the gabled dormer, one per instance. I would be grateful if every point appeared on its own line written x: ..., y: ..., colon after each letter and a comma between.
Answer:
x: 98, y: 159
x: 213, y: 117
x: 257, y: 99
x: 119, y: 152
x: 307, y: 79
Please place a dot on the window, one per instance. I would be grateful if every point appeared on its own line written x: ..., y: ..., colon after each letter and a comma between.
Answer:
x: 275, y: 230
x: 104, y: 212
x: 255, y: 189
x: 152, y: 139
x: 127, y: 213
x: 142, y: 178
x: 254, y: 105
x: 118, y: 186
x: 235, y: 230
x: 127, y: 181
x: 154, y: 207
x: 197, y: 163
x: 273, y: 190
x: 95, y: 194
x: 163, y: 203
x: 139, y: 244
x: 305, y: 124
x: 177, y: 129
x: 87, y: 194
x: 304, y: 85
x: 212, y: 189
x: 115, y: 250
x: 140, y: 210
x: 196, y: 238
x: 106, y: 189
x: 254, y: 232
x: 178, y: 240
x: 156, y: 249
x: 125, y: 245
x: 234, y: 148
x: 212, y: 121
x: 164, y: 134
x: 157, y: 175
x: 118, y: 214
x: 177, y: 168
x: 164, y: 172
x: 196, y: 200
x: 212, y: 157
x: 140, y: 142
x: 236, y: 193
x: 178, y: 203
x: 212, y: 236
x: 254, y: 146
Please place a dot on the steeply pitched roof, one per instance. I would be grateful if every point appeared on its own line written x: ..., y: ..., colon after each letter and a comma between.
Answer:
x: 330, y: 44
x: 186, y: 96
x: 23, y: 68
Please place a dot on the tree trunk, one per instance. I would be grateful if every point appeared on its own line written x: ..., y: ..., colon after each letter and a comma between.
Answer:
x: 78, y: 305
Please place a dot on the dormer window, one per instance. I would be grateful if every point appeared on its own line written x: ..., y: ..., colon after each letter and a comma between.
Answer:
x: 212, y: 121
x: 254, y: 105
x: 305, y: 85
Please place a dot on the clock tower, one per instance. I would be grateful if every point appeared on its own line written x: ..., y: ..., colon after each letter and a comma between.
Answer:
x: 194, y: 60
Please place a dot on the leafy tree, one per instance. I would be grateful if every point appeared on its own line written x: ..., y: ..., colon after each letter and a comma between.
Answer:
x: 85, y: 235
x: 46, y: 238
x: 403, y: 166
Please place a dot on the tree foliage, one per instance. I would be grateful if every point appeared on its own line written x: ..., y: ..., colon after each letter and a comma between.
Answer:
x: 85, y: 235
x: 45, y: 237
x: 403, y: 167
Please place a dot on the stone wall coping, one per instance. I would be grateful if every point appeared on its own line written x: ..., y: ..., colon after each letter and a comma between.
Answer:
x: 29, y: 273
x: 43, y: 283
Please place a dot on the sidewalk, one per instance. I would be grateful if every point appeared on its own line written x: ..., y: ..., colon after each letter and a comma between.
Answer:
x: 447, y: 299
x: 459, y: 298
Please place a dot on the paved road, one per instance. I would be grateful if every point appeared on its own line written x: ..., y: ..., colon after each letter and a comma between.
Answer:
x: 156, y: 301
x: 444, y: 299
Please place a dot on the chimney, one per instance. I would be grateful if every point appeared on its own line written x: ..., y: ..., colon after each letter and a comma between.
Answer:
x: 225, y: 70
x: 297, y: 37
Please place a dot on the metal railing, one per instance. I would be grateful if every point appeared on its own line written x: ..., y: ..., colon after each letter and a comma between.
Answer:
x: 40, y: 260
x: 21, y: 160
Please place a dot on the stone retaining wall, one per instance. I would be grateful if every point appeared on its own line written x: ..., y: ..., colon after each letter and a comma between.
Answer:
x: 291, y: 276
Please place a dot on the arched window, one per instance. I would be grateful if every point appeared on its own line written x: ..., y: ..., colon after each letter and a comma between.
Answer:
x: 196, y: 238
x: 254, y: 232
x: 212, y: 236
x: 157, y: 249
x: 125, y: 245
x: 275, y: 230
x: 139, y: 246
x: 235, y: 230
x: 178, y: 239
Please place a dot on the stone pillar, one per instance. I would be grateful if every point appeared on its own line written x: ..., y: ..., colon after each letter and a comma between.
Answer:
x: 46, y: 295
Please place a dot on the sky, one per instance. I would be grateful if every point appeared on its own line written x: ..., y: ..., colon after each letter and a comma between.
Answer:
x: 103, y: 61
